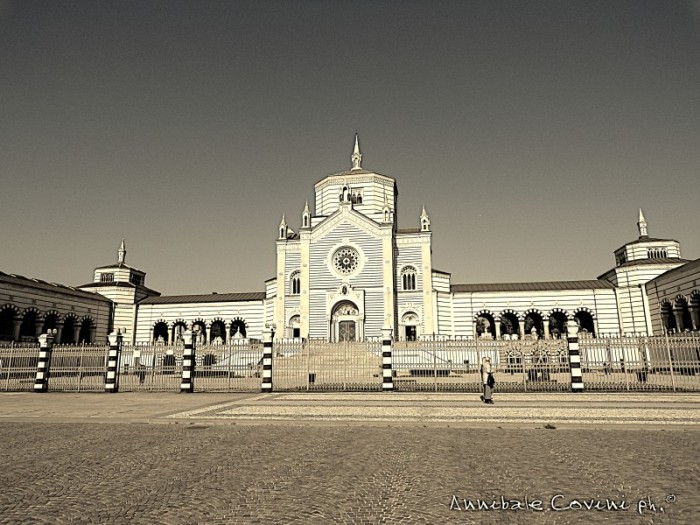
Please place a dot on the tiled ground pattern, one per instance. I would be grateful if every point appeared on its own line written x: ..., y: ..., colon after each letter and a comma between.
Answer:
x: 198, y: 472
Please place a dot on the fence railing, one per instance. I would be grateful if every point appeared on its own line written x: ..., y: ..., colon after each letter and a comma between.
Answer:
x: 319, y: 365
x: 454, y: 366
x: 639, y: 363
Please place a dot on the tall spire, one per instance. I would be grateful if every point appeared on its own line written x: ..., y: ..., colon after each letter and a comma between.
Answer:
x: 642, y: 225
x: 121, y: 254
x: 356, y: 156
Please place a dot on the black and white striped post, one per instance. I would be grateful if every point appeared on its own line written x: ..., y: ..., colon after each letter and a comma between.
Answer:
x: 188, y: 363
x: 115, y: 348
x: 574, y: 357
x: 387, y: 372
x: 41, y: 381
x: 266, y: 386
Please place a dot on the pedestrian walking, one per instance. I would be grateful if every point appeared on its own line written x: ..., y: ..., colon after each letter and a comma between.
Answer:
x: 487, y: 380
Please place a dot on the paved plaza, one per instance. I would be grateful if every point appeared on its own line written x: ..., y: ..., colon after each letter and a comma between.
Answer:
x: 349, y: 458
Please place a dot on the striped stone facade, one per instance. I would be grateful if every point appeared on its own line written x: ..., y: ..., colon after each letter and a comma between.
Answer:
x: 350, y: 273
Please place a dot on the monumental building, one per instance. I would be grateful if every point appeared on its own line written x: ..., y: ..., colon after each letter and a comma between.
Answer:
x: 348, y: 270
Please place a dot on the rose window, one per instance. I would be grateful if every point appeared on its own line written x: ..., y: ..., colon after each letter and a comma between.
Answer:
x: 345, y: 260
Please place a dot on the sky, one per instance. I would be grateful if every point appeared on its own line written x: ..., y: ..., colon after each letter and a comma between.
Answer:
x: 532, y: 131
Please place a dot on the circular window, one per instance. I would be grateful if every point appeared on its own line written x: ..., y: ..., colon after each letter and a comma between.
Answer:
x: 345, y: 260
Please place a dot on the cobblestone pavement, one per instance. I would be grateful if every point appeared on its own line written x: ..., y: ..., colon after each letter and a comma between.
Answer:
x: 125, y: 459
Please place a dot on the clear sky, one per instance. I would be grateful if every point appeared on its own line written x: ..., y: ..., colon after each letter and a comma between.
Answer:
x: 532, y: 131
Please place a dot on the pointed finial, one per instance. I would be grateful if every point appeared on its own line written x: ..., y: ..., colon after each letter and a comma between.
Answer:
x: 283, y: 228
x: 424, y: 221
x: 121, y: 254
x: 306, y: 216
x: 356, y: 156
x: 642, y: 225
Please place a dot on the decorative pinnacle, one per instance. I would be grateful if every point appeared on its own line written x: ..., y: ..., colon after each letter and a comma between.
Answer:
x: 121, y: 254
x: 356, y: 156
x: 642, y: 225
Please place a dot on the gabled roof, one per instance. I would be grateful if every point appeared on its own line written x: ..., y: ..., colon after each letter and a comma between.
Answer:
x: 533, y: 287
x: 208, y: 298
x: 53, y: 287
x: 687, y: 267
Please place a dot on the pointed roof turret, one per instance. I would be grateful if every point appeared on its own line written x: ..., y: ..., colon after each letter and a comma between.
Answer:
x: 121, y: 254
x: 642, y: 225
x: 306, y: 216
x: 424, y: 220
x: 356, y: 156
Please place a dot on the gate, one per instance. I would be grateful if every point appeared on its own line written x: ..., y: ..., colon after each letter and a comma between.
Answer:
x: 317, y: 365
x: 235, y: 367
x: 78, y: 368
x: 152, y: 368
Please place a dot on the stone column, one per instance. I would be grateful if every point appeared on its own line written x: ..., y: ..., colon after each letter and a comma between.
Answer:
x: 17, y: 327
x: 41, y: 380
x: 171, y: 331
x: 574, y: 357
x: 497, y: 322
x: 208, y: 329
x: 39, y: 326
x: 188, y: 363
x: 59, y: 331
x: 115, y: 348
x: 545, y: 327
x: 387, y: 372
x: 695, y: 318
x: 679, y: 320
x: 76, y: 334
x: 267, y: 363
x: 521, y: 328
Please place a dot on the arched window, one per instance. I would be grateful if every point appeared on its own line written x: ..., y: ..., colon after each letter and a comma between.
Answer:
x: 408, y: 278
x: 295, y: 283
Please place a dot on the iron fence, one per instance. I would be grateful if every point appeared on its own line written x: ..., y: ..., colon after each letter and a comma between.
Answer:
x: 235, y: 367
x: 630, y: 363
x: 316, y: 365
x: 18, y: 362
x: 152, y: 368
x: 78, y: 368
x: 641, y: 363
x: 454, y: 365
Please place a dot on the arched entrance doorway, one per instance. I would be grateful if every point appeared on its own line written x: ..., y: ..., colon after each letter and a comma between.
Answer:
x: 346, y: 324
x: 410, y: 326
x: 295, y: 326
